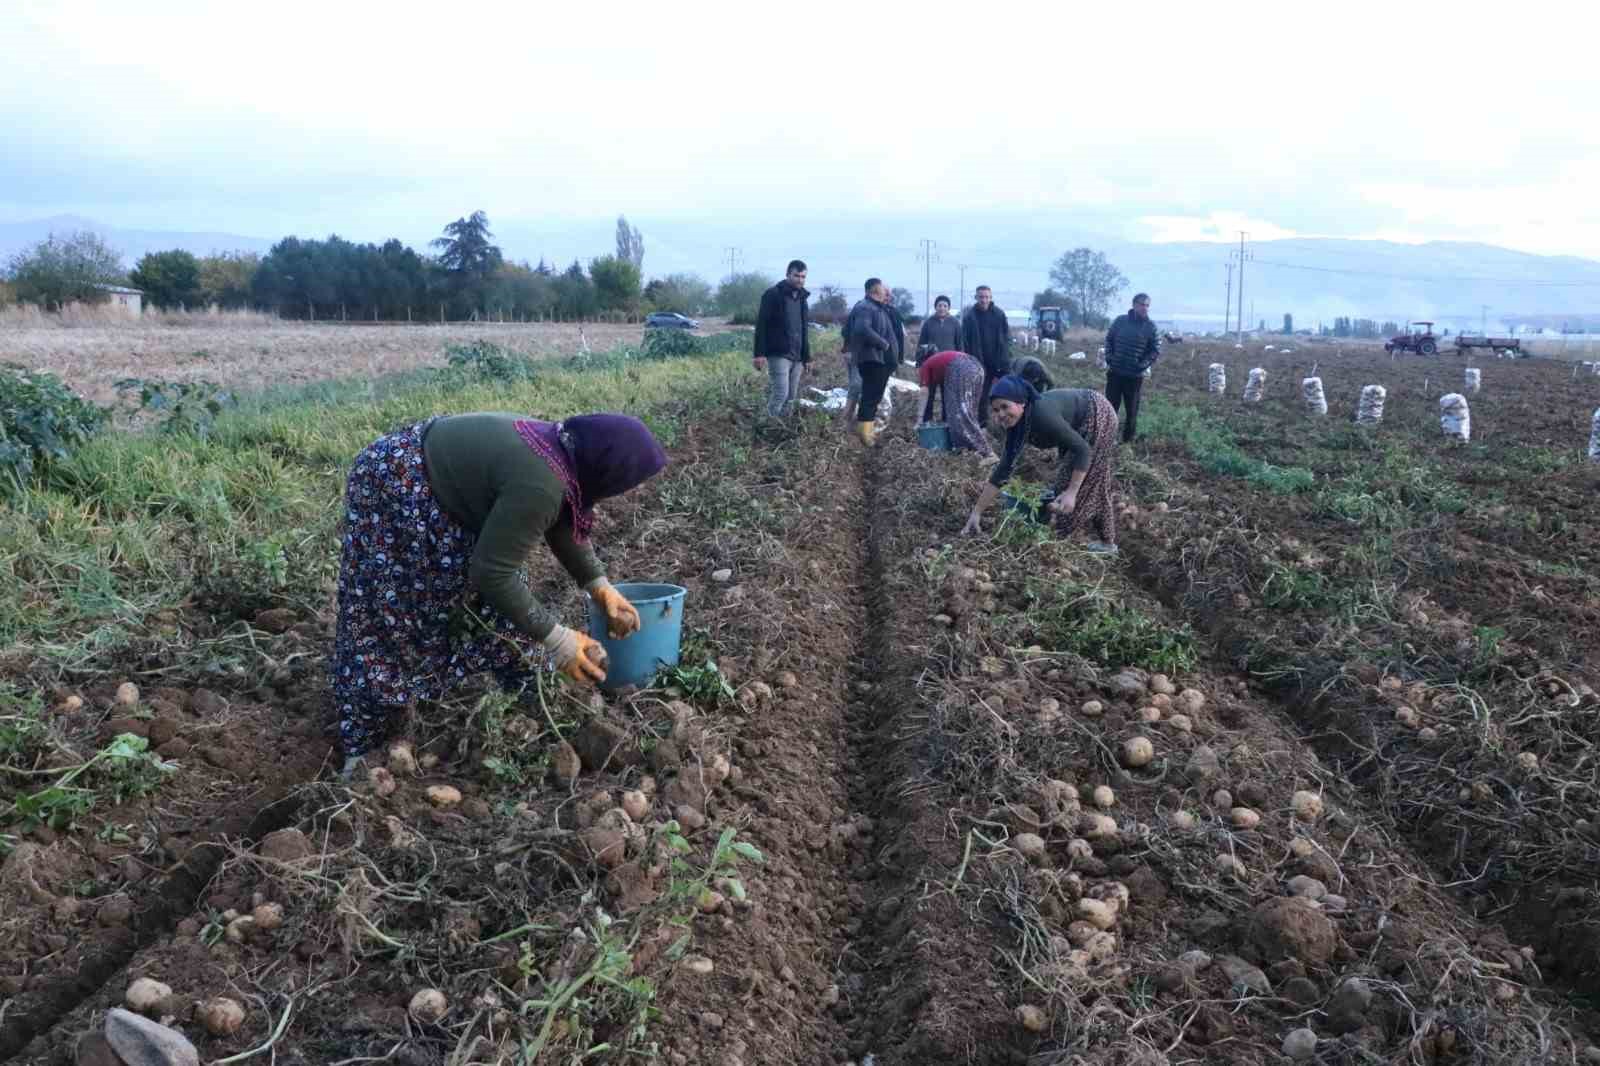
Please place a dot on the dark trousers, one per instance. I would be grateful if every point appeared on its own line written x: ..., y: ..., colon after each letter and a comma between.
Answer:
x: 874, y: 379
x: 1123, y: 389
x: 989, y: 378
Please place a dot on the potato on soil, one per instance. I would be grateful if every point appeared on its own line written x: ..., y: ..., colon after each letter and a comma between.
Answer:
x: 636, y: 804
x: 1244, y: 818
x: 1031, y: 1018
x: 1307, y: 806
x: 444, y: 795
x: 268, y: 916
x: 1137, y: 752
x: 1191, y: 701
x: 1099, y: 913
x: 1098, y: 826
x: 127, y: 695
x: 145, y: 995
x: 429, y: 1005
x: 1093, y: 709
x: 1104, y: 797
x: 381, y: 781
x: 221, y: 1016
x: 402, y: 760
x: 1030, y: 845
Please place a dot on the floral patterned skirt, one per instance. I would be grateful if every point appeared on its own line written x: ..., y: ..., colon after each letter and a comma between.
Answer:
x: 1094, y: 505
x: 402, y: 585
x: 962, y: 392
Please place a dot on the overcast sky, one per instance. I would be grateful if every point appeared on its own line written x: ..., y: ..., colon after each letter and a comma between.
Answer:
x: 1152, y: 121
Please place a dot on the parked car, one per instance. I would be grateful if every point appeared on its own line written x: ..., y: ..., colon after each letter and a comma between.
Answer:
x: 669, y: 320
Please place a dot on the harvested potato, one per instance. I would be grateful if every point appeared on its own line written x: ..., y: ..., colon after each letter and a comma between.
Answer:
x: 221, y: 1016
x: 1104, y: 797
x: 429, y: 1005
x: 1307, y: 806
x: 1137, y: 752
x: 1244, y: 818
x: 444, y: 795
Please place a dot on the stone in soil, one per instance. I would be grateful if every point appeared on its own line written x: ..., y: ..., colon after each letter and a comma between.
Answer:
x: 1300, y: 1044
x: 1347, y: 1009
x: 141, y: 1042
x: 1243, y: 973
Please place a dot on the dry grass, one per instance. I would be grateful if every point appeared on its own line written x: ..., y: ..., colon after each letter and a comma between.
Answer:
x: 92, y: 348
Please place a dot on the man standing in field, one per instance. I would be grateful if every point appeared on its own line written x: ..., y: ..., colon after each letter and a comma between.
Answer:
x: 1132, y: 348
x: 986, y: 335
x: 941, y: 333
x: 783, y: 339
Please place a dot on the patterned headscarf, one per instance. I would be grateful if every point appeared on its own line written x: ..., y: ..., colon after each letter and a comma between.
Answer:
x: 596, y: 457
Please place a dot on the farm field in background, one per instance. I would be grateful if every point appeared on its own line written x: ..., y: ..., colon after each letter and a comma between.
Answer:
x: 250, y: 352
x: 1312, y: 761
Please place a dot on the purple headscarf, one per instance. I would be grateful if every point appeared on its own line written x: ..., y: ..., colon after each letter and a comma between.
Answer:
x: 596, y: 457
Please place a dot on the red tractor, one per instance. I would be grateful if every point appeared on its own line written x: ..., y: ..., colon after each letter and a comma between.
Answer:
x: 1424, y: 343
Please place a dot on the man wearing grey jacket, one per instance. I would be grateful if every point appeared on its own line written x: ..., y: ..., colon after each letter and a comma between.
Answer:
x: 874, y: 349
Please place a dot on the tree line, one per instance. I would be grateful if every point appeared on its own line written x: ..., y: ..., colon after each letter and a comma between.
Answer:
x: 465, y: 275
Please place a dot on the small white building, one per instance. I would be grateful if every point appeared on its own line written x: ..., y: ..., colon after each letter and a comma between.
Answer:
x: 123, y: 298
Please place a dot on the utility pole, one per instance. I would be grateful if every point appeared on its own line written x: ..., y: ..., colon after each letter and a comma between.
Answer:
x: 1227, y: 301
x: 961, y: 297
x: 733, y: 261
x: 1242, y: 258
x: 927, y: 257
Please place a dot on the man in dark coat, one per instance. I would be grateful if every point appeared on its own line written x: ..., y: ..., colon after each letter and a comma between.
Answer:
x: 986, y: 335
x: 783, y: 339
x: 1132, y: 348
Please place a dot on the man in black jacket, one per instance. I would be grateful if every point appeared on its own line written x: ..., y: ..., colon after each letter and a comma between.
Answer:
x: 783, y: 339
x: 986, y: 335
x: 1132, y: 348
x: 941, y: 333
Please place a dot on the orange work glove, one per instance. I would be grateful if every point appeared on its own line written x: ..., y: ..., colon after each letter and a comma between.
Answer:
x: 622, y: 618
x: 580, y: 657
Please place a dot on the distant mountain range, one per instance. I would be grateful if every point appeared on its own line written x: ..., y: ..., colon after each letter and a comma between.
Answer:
x: 1313, y: 279
x: 132, y: 243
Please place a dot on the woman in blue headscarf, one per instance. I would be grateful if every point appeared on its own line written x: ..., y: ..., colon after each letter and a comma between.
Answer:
x: 1082, y: 427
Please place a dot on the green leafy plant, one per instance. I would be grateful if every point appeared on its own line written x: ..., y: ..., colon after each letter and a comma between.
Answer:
x: 124, y: 769
x: 689, y: 882
x: 190, y: 407
x: 41, y: 420
x: 1086, y: 622
x: 697, y: 674
x: 485, y: 361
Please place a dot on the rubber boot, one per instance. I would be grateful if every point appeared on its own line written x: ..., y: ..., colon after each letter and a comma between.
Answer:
x: 868, y: 432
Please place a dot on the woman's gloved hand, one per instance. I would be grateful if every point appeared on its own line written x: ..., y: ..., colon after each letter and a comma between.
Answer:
x: 622, y: 618
x: 580, y: 657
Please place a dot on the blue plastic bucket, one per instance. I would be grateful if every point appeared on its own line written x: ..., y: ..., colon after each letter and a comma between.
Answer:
x: 1042, y: 515
x: 636, y: 658
x: 934, y: 436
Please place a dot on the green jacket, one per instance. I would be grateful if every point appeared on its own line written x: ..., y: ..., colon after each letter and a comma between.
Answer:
x: 488, y: 478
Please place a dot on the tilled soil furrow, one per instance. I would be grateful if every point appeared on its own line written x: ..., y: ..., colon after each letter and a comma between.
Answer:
x: 102, y: 956
x: 925, y: 966
x: 1552, y: 910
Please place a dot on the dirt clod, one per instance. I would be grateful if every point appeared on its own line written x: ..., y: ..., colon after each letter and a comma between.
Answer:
x: 286, y: 845
x: 567, y: 764
x: 1292, y: 927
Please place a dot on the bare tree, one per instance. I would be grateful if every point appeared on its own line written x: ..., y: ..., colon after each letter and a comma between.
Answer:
x: 1091, y: 280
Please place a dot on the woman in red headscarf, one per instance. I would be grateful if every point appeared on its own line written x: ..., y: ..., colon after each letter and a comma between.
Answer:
x: 958, y: 378
x: 444, y: 513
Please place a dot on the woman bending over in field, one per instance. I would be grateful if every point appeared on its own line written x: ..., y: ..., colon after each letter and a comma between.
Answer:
x: 1082, y: 427
x: 443, y: 514
x: 958, y: 379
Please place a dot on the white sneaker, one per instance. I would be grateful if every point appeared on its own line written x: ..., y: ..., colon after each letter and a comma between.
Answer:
x: 1100, y: 547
